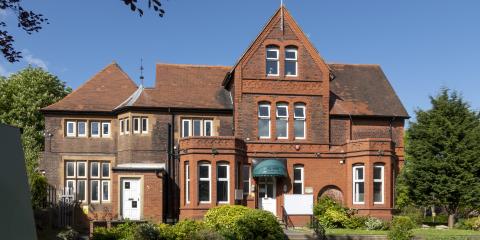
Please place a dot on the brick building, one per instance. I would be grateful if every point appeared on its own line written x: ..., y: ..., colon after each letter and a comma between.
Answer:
x: 279, y: 123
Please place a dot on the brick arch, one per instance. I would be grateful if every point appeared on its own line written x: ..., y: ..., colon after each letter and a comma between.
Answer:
x: 333, y: 192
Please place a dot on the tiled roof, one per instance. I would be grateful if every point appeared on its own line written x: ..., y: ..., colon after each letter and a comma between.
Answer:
x: 363, y: 90
x: 187, y: 86
x: 102, y: 93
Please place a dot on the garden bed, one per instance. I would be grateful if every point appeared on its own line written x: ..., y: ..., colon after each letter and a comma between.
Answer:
x: 419, y: 233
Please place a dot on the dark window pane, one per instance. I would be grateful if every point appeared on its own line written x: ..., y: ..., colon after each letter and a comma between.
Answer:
x: 134, y: 204
x: 127, y: 125
x: 136, y: 124
x: 222, y: 191
x: 272, y: 54
x: 204, y: 191
x: 70, y: 169
x: 291, y: 54
x: 359, y: 173
x: 377, y: 190
x: 297, y: 174
x: 272, y: 67
x: 122, y: 126
x: 222, y: 172
x: 299, y: 128
x: 81, y: 169
x: 127, y: 185
x: 377, y: 173
x: 106, y: 170
x: 81, y: 128
x: 246, y: 186
x: 70, y: 127
x: 263, y: 111
x: 144, y: 124
x: 186, y: 128
x: 281, y: 128
x: 299, y: 113
x: 95, y: 128
x: 263, y: 128
x: 95, y: 169
x: 81, y: 190
x: 106, y: 128
x: 196, y: 127
x: 203, y: 172
x: 360, y: 191
x: 270, y: 190
x: 297, y: 188
x: 282, y: 111
x: 208, y: 128
x: 94, y: 190
x: 290, y: 67
x: 105, y: 191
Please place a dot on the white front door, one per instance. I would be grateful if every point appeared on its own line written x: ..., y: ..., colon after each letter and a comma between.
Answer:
x: 131, y: 202
x: 267, y: 194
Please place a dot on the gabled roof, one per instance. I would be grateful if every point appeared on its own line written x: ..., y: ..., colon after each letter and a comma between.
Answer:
x: 102, y: 93
x: 363, y: 90
x: 186, y: 86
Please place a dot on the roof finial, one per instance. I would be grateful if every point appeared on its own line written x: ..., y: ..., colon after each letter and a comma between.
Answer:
x: 281, y: 16
x: 141, y: 71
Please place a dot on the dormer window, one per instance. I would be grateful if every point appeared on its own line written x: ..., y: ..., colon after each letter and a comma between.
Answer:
x: 291, y: 56
x: 272, y: 61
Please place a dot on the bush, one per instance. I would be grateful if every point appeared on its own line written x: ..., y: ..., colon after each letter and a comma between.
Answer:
x: 329, y: 213
x: 185, y: 229
x: 375, y: 224
x: 469, y: 224
x: 224, y: 219
x: 125, y: 231
x: 319, y: 230
x: 207, y: 234
x: 102, y: 233
x: 259, y: 224
x: 38, y: 190
x: 68, y: 234
x: 401, y: 228
x: 146, y: 231
x: 355, y: 222
x: 414, y: 213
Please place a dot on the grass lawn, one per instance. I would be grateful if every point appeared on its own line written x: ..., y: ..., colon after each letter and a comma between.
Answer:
x: 424, y: 233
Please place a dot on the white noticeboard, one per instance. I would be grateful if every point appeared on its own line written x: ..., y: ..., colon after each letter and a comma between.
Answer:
x: 298, y: 204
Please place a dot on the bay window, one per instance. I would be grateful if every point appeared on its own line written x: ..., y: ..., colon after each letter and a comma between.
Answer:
x: 222, y: 183
x: 378, y: 183
x: 204, y: 181
x: 144, y: 125
x: 358, y: 184
x: 136, y: 125
x: 264, y: 120
x: 299, y: 121
x: 282, y: 121
x: 272, y: 61
x: 187, y: 182
x: 197, y: 127
x: 105, y: 129
x: 186, y: 128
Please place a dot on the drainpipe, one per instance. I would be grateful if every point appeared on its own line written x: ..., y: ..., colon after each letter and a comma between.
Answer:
x: 351, y: 125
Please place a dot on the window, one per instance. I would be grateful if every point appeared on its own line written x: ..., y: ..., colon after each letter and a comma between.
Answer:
x: 298, y: 178
x: 71, y: 129
x: 358, y: 184
x: 95, y: 189
x: 105, y: 129
x: 106, y: 170
x: 272, y: 61
x: 291, y: 62
x: 187, y: 182
x: 106, y: 190
x: 204, y: 176
x: 94, y: 171
x: 299, y: 119
x: 70, y: 169
x: 81, y: 190
x: 122, y: 126
x: 222, y: 183
x: 207, y: 127
x: 82, y: 128
x: 282, y: 121
x: 144, y: 125
x: 95, y: 129
x: 186, y: 127
x: 264, y: 120
x: 127, y: 125
x: 136, y: 125
x: 246, y: 179
x: 378, y: 183
x: 81, y: 169
x: 70, y: 188
x: 197, y: 127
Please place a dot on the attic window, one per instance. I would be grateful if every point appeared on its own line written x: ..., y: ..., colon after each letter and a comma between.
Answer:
x: 291, y: 58
x: 272, y: 61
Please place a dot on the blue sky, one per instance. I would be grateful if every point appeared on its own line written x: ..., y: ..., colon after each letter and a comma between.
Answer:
x: 421, y: 45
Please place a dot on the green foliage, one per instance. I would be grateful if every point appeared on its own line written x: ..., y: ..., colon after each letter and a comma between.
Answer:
x: 185, y: 229
x: 23, y: 95
x: 401, y: 228
x: 355, y: 222
x: 38, y: 190
x: 102, y: 233
x: 414, y: 213
x: 125, y: 231
x: 376, y: 224
x: 442, y: 150
x: 259, y: 224
x: 469, y: 224
x: 319, y: 230
x: 146, y: 231
x: 329, y: 213
x: 68, y: 234
x: 224, y: 219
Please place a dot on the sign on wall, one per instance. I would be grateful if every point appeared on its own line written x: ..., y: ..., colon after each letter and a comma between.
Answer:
x: 298, y: 204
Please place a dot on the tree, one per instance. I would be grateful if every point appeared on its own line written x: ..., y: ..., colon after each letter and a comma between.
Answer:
x: 443, y: 156
x: 23, y: 94
x: 32, y: 22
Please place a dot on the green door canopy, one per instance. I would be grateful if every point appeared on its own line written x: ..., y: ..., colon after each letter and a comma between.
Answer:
x: 270, y: 168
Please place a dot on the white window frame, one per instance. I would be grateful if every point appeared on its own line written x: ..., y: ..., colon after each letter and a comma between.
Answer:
x: 109, y: 129
x: 260, y: 117
x: 99, y: 128
x: 144, y: 124
x: 85, y: 191
x: 187, y: 182
x: 355, y: 180
x: 193, y: 127
x: 295, y: 50
x: 101, y: 169
x: 285, y: 118
x: 86, y: 169
x: 74, y: 190
x: 99, y: 193
x: 205, y: 128
x: 136, y: 125
x: 74, y: 169
x: 109, y: 190
x: 302, y: 177
x: 227, y: 179
x: 127, y: 125
x: 247, y: 180
x: 91, y: 169
x: 209, y: 179
x: 304, y: 119
x: 381, y: 180
x: 121, y: 127
x: 85, y: 134
x: 74, y: 128
x: 277, y: 59
x: 189, y: 128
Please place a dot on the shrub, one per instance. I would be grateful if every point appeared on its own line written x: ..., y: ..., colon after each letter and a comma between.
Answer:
x: 185, y: 229
x: 259, y: 224
x: 469, y: 224
x: 102, y: 233
x: 125, y: 231
x: 224, y: 219
x: 414, y: 213
x: 207, y: 234
x: 68, y: 234
x: 319, y: 230
x: 355, y: 222
x: 329, y: 213
x: 146, y: 231
x: 375, y: 224
x: 38, y: 190
x: 401, y: 228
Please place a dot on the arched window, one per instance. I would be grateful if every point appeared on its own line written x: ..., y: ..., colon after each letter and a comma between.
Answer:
x: 358, y: 184
x: 299, y: 118
x: 264, y: 120
x: 291, y: 61
x: 223, y: 180
x: 204, y: 182
x: 298, y: 179
x: 282, y: 121
x: 272, y: 61
x: 378, y: 183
